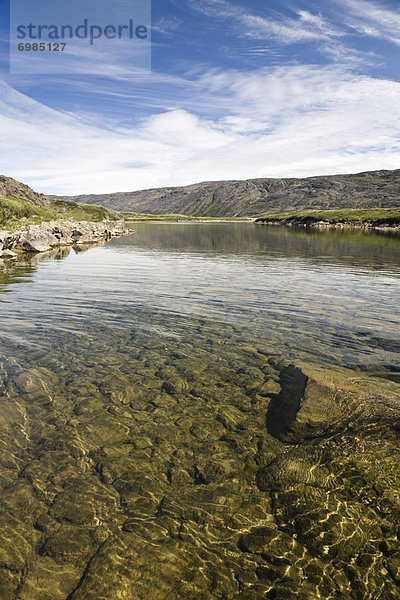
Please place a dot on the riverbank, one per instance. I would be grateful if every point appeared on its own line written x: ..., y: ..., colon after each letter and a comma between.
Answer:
x: 53, y: 234
x: 385, y: 219
x: 176, y: 218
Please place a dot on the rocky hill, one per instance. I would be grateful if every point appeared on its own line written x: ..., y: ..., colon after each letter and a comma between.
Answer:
x: 10, y: 187
x: 21, y: 206
x: 255, y: 197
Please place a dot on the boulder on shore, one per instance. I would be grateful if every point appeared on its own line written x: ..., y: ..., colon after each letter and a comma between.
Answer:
x: 44, y: 237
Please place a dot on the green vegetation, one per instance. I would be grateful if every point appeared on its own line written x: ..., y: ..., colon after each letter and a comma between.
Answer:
x: 15, y: 212
x: 372, y: 216
x: 174, y: 218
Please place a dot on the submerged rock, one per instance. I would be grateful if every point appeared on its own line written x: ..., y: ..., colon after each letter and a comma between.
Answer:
x: 115, y: 485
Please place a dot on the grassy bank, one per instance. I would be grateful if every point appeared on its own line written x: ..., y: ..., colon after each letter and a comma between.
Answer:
x: 16, y: 212
x: 173, y: 218
x: 373, y: 217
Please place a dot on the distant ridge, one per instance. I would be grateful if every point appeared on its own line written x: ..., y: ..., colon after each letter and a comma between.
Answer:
x: 257, y: 197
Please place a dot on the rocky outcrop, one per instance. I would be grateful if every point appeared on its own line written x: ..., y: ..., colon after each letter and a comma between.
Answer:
x: 44, y: 237
x: 10, y: 187
x: 257, y: 197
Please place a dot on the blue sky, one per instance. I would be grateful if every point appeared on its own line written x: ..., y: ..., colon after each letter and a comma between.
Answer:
x: 237, y: 90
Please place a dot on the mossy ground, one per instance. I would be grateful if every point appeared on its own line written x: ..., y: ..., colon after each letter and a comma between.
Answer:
x: 373, y: 216
x: 16, y: 212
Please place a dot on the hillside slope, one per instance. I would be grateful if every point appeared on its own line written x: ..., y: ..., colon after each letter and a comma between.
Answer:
x: 11, y: 188
x: 20, y: 205
x: 257, y: 197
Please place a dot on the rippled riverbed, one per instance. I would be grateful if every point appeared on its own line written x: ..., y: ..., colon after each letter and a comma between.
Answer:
x: 152, y: 443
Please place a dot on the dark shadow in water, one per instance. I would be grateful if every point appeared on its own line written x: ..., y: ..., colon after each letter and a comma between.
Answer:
x: 283, y: 408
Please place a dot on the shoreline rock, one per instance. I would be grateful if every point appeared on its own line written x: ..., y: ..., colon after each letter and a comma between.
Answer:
x: 326, y: 224
x: 53, y: 234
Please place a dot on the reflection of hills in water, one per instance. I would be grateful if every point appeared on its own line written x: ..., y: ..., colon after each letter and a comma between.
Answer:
x: 312, y: 296
x: 355, y: 248
x: 21, y: 268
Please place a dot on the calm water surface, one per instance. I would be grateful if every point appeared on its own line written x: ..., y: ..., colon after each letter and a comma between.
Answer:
x: 330, y: 297
x: 150, y: 449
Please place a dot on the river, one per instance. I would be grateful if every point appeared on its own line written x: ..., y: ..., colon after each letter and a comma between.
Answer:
x: 136, y: 380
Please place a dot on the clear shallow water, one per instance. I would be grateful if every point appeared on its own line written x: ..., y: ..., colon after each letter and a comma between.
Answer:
x: 329, y: 297
x: 152, y: 445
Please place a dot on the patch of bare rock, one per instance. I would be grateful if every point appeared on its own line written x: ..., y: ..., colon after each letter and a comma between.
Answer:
x: 44, y: 237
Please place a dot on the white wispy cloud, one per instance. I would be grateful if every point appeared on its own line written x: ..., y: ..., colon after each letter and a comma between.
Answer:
x: 304, y: 27
x: 286, y: 121
x: 330, y: 39
x: 166, y: 26
x: 372, y: 19
x: 351, y: 57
